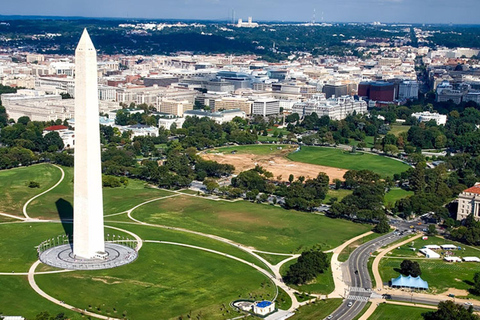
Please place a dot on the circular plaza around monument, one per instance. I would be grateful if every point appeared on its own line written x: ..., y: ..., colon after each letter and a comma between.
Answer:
x: 62, y: 256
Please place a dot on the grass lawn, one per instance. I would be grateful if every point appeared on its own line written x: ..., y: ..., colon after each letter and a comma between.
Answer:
x: 339, y: 194
x: 396, y: 194
x: 317, y: 310
x: 323, y: 284
x: 18, y: 298
x: 162, y: 234
x: 260, y: 149
x: 343, y: 256
x: 14, y: 189
x: 59, y: 201
x: 368, y: 140
x: 165, y: 282
x: 396, y: 129
x: 283, y: 300
x: 266, y: 228
x: 439, y: 274
x: 387, y: 311
x: 343, y: 159
x: 272, y: 258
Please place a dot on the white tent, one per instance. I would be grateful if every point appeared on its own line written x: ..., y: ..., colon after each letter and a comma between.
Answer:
x: 429, y: 253
x: 432, y: 246
x: 448, y: 247
x: 452, y: 259
x: 471, y: 259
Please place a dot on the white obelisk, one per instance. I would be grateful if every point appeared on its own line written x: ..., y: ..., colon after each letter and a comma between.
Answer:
x: 88, y: 234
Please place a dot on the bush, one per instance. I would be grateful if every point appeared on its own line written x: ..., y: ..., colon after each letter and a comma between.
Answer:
x: 33, y: 184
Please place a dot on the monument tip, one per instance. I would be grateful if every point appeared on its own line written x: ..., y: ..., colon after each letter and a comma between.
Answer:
x: 85, y: 41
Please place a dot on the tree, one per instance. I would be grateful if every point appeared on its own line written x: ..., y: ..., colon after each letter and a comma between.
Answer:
x: 476, y: 283
x: 409, y: 267
x: 310, y: 263
x: 449, y: 310
x: 432, y: 230
x: 210, y: 184
x: 382, y: 226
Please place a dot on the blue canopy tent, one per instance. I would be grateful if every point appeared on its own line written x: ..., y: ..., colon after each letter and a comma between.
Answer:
x: 409, y: 282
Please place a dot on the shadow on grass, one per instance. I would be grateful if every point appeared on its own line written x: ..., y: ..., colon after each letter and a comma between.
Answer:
x: 65, y: 213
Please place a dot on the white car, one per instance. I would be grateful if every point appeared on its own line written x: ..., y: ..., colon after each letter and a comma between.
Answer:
x: 350, y: 304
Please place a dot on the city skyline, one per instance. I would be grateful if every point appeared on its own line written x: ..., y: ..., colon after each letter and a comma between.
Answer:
x: 388, y: 11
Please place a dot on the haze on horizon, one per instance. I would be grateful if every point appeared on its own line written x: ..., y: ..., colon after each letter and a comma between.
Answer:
x: 389, y: 11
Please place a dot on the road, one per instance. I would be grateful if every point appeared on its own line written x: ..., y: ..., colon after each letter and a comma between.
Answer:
x: 360, y: 282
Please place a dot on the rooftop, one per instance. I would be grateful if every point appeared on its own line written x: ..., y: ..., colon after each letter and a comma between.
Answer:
x: 474, y: 189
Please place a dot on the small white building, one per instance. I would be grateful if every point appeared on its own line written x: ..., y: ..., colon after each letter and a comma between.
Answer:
x: 471, y: 259
x: 430, y: 254
x: 263, y: 308
x: 452, y: 259
x: 167, y: 122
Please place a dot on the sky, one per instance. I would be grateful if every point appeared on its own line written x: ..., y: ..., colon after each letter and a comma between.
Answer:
x: 389, y: 11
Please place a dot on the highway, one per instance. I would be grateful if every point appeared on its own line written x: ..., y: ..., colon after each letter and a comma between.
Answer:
x: 360, y: 282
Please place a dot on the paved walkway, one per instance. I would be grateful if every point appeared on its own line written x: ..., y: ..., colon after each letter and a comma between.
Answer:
x: 340, y: 284
x: 33, y: 284
x: 376, y: 261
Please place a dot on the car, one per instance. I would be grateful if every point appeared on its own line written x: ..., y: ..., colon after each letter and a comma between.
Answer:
x: 330, y: 317
x: 468, y: 304
x: 350, y: 304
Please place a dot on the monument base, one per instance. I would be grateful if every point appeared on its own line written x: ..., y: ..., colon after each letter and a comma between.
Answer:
x: 62, y: 256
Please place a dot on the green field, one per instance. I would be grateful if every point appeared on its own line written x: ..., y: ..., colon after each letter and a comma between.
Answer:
x: 266, y: 228
x: 13, y: 184
x: 317, y: 310
x: 439, y: 274
x: 18, y: 298
x: 339, y: 194
x: 396, y: 129
x: 323, y: 284
x: 338, y: 158
x: 260, y: 149
x: 165, y: 282
x: 393, y: 312
x: 59, y: 201
x: 163, y: 234
x: 272, y: 258
x: 396, y: 194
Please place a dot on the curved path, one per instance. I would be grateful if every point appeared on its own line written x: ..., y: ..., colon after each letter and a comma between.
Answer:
x: 33, y: 284
x: 38, y: 195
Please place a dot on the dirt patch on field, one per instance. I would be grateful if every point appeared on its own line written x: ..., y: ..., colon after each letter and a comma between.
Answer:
x: 276, y: 164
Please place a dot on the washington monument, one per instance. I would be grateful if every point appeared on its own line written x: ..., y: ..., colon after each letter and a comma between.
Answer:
x: 88, y: 234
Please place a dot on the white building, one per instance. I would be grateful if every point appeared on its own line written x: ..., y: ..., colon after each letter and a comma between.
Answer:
x: 469, y: 203
x: 266, y: 107
x: 263, y: 308
x: 440, y: 119
x: 219, y: 117
x: 336, y: 108
x: 430, y: 254
x: 408, y: 90
x: 248, y: 24
x: 471, y: 259
x: 452, y: 259
x: 168, y: 122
